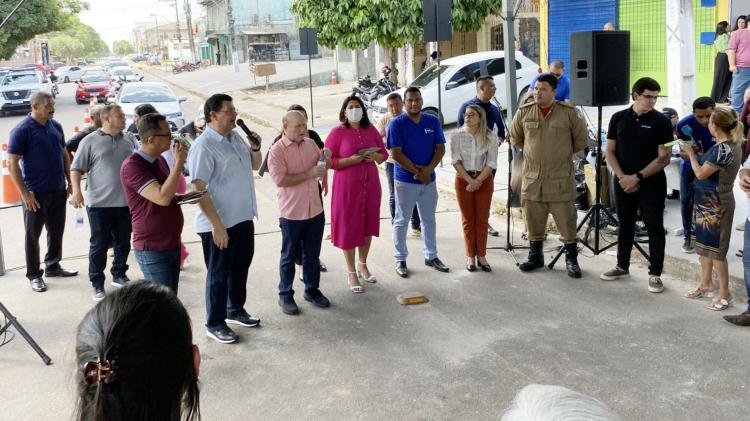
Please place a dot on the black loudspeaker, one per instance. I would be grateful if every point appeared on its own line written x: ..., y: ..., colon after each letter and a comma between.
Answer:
x: 600, y: 68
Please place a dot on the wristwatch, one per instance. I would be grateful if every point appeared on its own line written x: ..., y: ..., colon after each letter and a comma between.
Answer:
x: 639, y: 175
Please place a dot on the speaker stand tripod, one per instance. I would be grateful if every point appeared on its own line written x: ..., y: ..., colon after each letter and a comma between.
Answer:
x: 597, y: 208
x: 13, y: 322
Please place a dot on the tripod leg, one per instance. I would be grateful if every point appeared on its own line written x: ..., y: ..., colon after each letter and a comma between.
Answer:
x: 12, y: 321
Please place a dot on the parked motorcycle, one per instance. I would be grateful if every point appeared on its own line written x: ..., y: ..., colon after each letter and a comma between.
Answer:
x: 182, y: 67
x: 381, y: 88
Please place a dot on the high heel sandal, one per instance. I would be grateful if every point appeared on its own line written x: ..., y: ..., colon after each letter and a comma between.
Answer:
x: 371, y: 279
x: 357, y: 289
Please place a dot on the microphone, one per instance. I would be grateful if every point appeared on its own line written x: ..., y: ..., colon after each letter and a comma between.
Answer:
x: 252, y: 136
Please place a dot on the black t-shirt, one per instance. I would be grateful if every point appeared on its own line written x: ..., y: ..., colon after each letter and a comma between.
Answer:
x: 638, y: 137
x: 73, y: 142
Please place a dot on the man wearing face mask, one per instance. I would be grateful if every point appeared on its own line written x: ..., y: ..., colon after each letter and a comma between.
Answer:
x: 417, y: 143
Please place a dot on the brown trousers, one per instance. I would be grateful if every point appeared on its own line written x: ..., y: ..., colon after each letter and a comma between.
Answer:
x: 475, y: 214
x: 564, y: 214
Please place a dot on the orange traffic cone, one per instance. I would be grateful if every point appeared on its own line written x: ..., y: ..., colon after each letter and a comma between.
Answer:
x: 334, y: 79
x: 11, y: 196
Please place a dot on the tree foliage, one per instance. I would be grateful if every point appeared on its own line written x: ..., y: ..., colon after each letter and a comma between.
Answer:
x: 35, y: 17
x: 392, y: 23
x: 122, y: 47
x: 77, y: 41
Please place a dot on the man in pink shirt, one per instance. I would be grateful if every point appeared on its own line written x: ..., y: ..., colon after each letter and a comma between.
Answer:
x: 738, y: 54
x: 293, y: 164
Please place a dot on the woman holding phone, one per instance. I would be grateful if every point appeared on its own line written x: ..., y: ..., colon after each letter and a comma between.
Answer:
x: 356, y: 150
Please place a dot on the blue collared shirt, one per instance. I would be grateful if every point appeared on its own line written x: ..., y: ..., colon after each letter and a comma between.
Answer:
x: 225, y: 165
x: 41, y: 150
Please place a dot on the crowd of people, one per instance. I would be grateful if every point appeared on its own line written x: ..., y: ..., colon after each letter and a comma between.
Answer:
x: 135, y: 187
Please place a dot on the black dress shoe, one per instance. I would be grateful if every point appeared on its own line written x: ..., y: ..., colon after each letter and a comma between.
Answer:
x: 38, y: 285
x: 471, y: 268
x: 323, y: 267
x: 288, y: 305
x: 436, y: 264
x: 485, y: 268
x: 740, y: 319
x: 317, y: 298
x: 402, y: 270
x: 59, y: 272
x: 491, y: 231
x: 222, y: 334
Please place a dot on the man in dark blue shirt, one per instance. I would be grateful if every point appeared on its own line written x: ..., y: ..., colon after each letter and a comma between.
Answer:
x: 485, y: 93
x: 417, y: 144
x: 39, y: 168
x: 693, y: 128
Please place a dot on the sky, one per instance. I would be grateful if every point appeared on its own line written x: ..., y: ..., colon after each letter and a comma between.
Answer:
x: 115, y: 20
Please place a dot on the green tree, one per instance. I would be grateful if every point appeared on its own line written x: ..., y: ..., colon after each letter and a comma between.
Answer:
x: 122, y: 47
x: 35, y: 17
x: 353, y: 24
x: 77, y: 41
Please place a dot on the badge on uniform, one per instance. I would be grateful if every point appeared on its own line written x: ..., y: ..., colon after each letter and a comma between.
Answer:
x: 429, y: 131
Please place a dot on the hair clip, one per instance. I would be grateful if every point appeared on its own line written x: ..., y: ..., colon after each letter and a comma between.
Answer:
x: 99, y: 371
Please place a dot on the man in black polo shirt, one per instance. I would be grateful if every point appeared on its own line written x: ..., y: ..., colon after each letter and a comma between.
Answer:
x: 637, y: 156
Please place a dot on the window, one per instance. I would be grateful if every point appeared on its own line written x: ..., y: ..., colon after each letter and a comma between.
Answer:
x: 466, y: 75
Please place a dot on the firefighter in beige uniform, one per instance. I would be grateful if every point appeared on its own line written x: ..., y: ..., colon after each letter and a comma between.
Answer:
x: 549, y: 133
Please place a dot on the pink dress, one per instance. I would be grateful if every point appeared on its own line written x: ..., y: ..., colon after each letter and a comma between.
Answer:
x: 355, y: 202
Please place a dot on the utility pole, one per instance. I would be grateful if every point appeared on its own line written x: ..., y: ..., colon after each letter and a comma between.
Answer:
x: 177, y: 23
x: 158, y: 46
x: 232, y: 41
x: 191, y: 37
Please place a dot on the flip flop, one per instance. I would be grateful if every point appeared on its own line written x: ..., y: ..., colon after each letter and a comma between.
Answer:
x: 697, y: 293
x: 721, y: 305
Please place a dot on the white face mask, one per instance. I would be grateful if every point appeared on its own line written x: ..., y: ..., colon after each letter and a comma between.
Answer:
x: 354, y: 115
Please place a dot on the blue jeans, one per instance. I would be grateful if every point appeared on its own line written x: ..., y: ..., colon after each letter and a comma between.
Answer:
x: 108, y: 226
x: 300, y: 238
x: 161, y: 267
x: 415, y: 221
x: 740, y: 82
x: 746, y: 261
x: 687, y: 193
x: 226, y: 272
x: 425, y: 198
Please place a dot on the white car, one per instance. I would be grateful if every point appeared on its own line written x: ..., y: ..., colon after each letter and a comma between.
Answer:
x: 157, y: 94
x: 17, y: 87
x: 124, y: 74
x: 458, y: 82
x: 66, y: 74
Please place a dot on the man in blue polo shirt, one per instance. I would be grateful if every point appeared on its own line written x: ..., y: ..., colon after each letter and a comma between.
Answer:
x: 39, y: 167
x: 693, y: 128
x: 557, y: 68
x: 417, y: 144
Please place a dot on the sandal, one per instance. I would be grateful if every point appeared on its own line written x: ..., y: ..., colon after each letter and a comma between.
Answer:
x: 697, y: 293
x: 371, y: 279
x: 720, y: 305
x: 357, y: 289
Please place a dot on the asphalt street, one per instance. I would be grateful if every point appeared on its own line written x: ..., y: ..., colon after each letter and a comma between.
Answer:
x: 463, y: 356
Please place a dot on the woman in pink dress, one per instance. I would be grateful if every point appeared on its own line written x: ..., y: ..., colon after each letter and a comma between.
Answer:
x: 356, y: 150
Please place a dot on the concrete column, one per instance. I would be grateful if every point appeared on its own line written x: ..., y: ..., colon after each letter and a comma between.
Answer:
x: 681, y: 80
x: 355, y: 63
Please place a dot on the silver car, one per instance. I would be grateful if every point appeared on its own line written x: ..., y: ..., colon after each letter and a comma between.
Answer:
x: 157, y: 94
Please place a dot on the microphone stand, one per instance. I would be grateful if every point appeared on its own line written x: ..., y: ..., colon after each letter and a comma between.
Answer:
x: 509, y: 246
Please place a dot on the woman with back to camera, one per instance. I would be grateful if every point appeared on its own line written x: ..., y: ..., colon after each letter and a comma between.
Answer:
x: 715, y: 172
x: 136, y: 359
x: 356, y: 150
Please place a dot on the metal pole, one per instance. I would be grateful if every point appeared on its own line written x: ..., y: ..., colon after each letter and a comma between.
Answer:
x: 179, y: 35
x: 12, y: 12
x: 511, y: 90
x: 191, y: 37
x: 312, y: 110
x: 440, y: 89
x: 232, y: 41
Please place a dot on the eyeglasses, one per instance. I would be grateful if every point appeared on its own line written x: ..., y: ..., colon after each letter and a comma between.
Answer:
x: 472, y: 115
x: 231, y: 111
